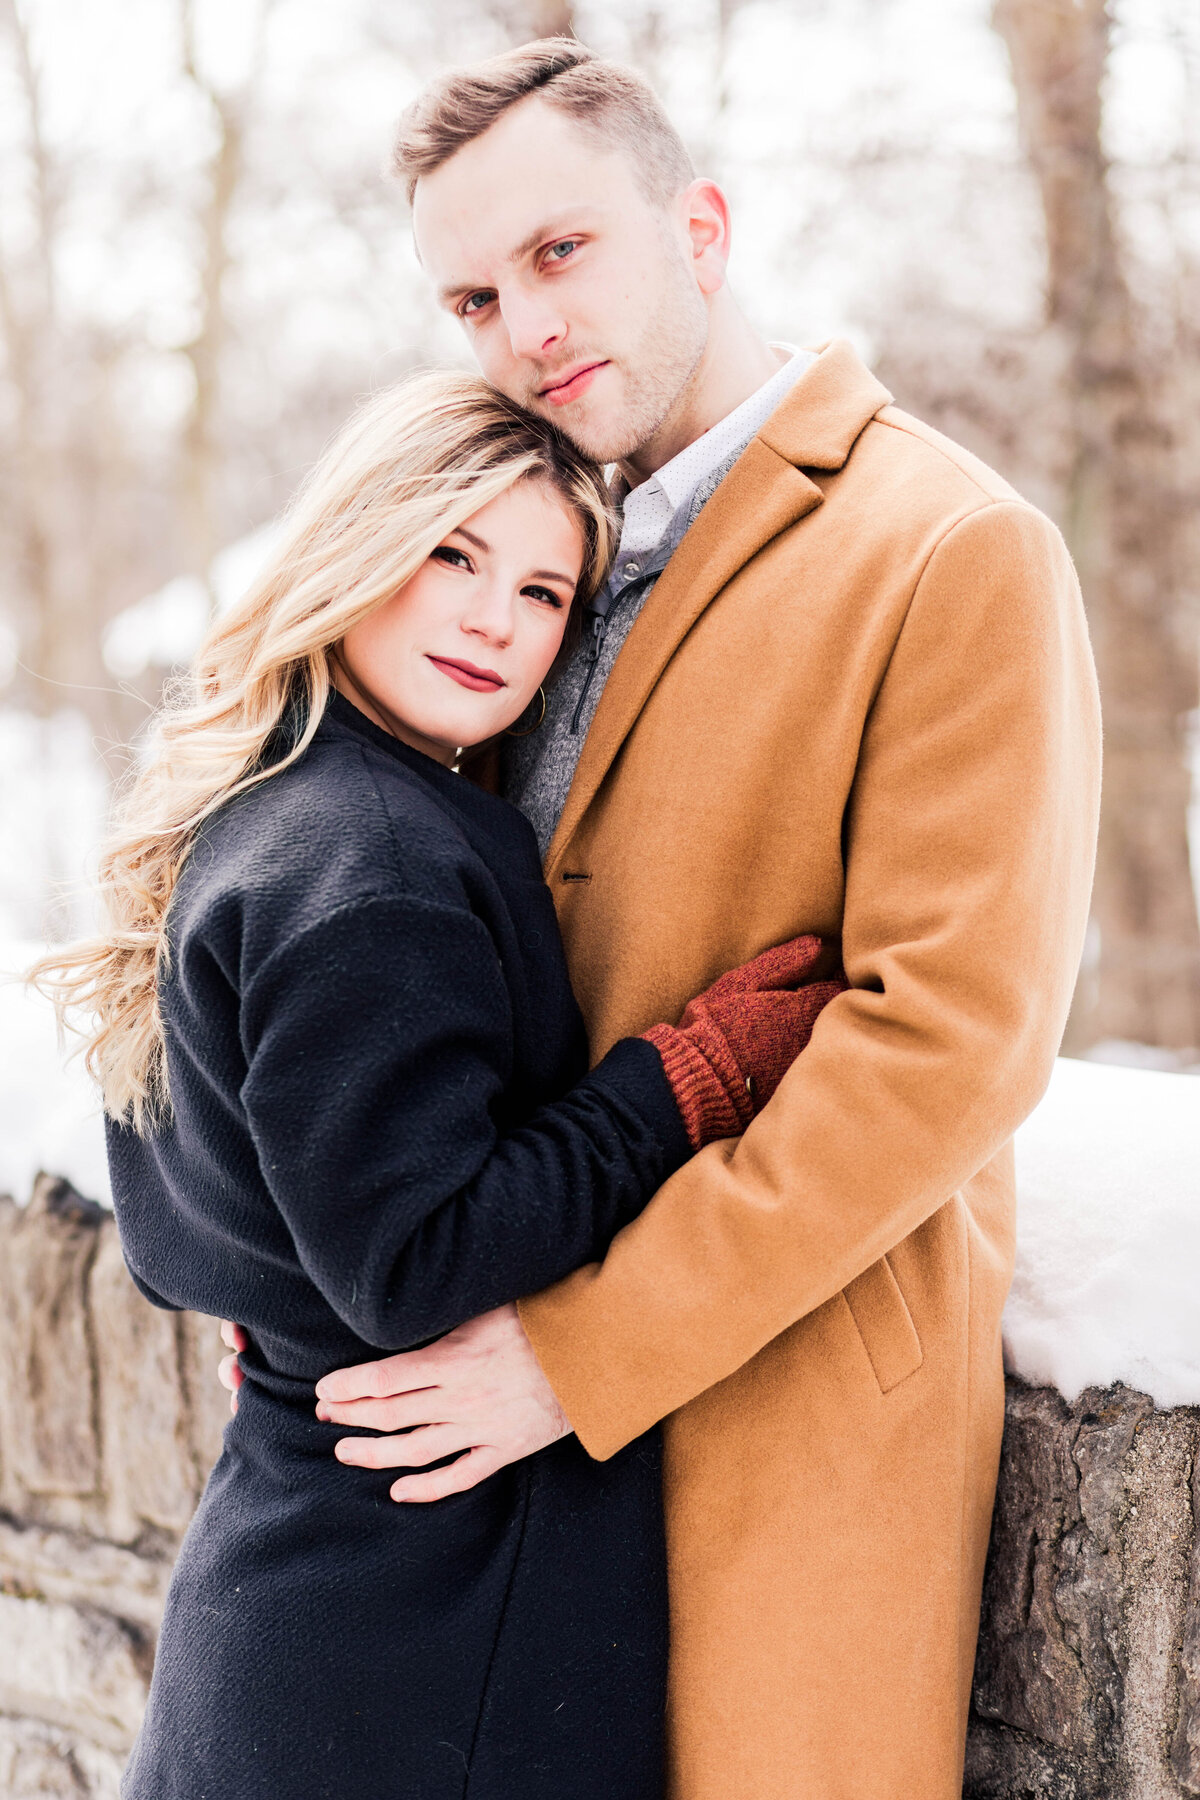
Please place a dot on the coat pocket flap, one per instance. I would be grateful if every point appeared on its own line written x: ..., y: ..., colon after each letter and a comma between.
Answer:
x: 885, y: 1325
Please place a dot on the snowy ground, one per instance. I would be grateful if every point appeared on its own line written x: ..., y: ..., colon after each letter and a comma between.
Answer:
x: 1108, y: 1173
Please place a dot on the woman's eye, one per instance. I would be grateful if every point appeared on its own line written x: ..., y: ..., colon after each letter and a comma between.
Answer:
x: 458, y: 559
x: 547, y: 594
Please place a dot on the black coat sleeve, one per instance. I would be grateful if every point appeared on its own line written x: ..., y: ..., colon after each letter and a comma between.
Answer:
x: 376, y: 1044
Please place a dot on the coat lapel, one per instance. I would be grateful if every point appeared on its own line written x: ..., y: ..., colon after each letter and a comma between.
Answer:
x: 764, y: 493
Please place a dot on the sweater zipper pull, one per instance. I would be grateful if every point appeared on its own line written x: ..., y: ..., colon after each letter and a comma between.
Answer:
x: 599, y: 633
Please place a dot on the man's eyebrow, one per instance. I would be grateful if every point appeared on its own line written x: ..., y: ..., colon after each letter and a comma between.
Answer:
x: 447, y: 295
x: 554, y: 227
x: 548, y: 231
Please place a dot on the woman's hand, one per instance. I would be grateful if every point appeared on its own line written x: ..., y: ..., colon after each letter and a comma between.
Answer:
x: 737, y: 1040
x: 229, y: 1370
x: 478, y: 1391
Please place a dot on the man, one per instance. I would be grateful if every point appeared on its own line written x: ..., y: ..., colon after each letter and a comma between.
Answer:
x: 857, y: 701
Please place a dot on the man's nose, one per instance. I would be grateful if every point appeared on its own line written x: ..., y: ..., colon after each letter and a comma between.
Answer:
x: 535, y: 328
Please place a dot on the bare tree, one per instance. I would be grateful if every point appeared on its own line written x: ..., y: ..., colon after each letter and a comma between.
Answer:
x: 1125, y: 520
x: 58, y: 644
x: 551, y: 18
x: 201, y: 448
x: 521, y: 21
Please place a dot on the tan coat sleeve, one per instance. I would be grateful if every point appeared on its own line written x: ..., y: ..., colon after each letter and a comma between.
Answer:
x: 970, y: 836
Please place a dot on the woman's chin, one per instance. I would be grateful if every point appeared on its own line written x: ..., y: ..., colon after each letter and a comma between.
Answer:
x: 479, y: 727
x: 467, y: 729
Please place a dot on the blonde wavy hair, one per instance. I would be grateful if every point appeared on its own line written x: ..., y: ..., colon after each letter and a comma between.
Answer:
x: 414, y: 462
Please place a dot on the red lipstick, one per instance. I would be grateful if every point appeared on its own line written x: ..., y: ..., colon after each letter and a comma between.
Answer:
x: 480, y: 681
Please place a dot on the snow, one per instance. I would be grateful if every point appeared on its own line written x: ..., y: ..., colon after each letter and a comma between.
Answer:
x: 1108, y: 1234
x: 1108, y: 1220
x: 53, y: 797
x: 163, y: 630
x: 49, y: 1111
x: 52, y: 807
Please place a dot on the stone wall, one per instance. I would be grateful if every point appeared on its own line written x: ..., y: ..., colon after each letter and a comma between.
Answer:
x: 110, y: 1417
x: 1088, y: 1677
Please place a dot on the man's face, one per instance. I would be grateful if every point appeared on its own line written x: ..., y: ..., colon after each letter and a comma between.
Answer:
x: 577, y: 292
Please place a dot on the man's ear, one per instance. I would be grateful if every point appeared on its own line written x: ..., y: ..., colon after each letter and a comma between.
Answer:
x: 705, y: 213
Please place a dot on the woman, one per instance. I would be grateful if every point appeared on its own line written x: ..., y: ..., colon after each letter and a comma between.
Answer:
x: 349, y: 1106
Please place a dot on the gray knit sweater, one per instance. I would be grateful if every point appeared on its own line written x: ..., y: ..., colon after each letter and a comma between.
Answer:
x: 538, y: 769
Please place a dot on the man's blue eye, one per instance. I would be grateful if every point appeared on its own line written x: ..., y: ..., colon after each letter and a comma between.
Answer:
x: 563, y: 249
x: 469, y: 305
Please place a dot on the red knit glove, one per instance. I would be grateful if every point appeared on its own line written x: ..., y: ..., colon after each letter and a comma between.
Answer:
x: 737, y: 1040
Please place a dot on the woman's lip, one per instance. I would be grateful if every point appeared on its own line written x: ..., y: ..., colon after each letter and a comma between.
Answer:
x: 575, y: 385
x: 480, y: 681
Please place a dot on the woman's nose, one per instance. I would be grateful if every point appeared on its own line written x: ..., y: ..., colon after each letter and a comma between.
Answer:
x: 490, y: 614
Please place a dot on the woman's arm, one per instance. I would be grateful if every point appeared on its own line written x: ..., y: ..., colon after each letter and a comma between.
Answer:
x: 377, y: 1044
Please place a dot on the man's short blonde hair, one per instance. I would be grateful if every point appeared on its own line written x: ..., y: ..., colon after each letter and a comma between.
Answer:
x: 616, y: 105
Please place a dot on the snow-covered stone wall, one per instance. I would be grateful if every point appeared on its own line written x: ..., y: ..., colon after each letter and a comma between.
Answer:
x: 1088, y: 1676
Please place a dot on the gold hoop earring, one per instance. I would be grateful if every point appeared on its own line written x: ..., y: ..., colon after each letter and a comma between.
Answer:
x: 530, y: 729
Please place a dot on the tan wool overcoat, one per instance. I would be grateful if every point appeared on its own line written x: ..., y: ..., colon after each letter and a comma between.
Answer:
x: 859, y: 702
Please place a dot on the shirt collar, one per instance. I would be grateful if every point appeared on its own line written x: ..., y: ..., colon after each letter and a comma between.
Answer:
x: 680, y: 478
x: 649, y: 508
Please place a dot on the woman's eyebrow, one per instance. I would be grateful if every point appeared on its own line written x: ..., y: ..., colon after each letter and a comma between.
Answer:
x: 535, y: 574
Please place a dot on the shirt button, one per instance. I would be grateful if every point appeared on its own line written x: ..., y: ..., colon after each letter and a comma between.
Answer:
x: 632, y: 568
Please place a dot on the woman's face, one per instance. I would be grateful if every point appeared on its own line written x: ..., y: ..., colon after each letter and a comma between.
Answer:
x: 461, y: 649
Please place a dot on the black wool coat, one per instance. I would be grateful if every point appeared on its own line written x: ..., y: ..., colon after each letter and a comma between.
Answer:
x: 383, y: 1125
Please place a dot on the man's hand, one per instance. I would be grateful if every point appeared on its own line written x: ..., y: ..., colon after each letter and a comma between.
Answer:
x: 478, y: 1390
x: 229, y: 1371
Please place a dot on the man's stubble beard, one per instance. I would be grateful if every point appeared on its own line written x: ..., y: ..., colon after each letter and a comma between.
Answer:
x: 657, y: 370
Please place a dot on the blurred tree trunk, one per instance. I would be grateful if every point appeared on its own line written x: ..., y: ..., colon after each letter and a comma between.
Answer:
x: 198, y: 463
x: 550, y: 18
x: 1125, y: 526
x: 203, y: 533
x: 55, y: 462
